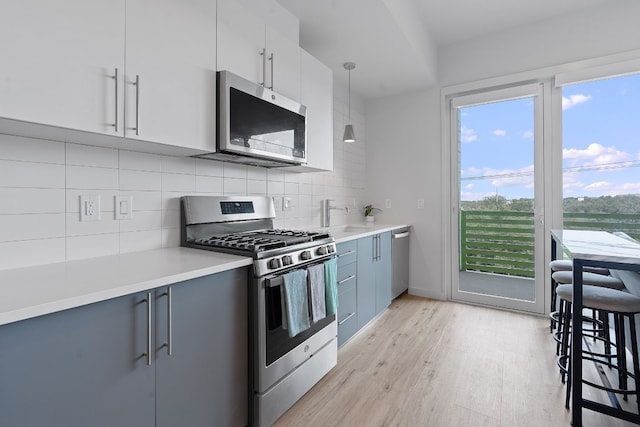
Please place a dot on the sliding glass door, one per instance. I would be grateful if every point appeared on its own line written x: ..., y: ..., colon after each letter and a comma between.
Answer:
x: 497, y: 233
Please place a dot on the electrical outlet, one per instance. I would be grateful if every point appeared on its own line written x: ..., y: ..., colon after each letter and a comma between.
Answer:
x: 123, y: 207
x: 387, y: 203
x: 286, y: 203
x: 90, y: 207
x: 420, y: 203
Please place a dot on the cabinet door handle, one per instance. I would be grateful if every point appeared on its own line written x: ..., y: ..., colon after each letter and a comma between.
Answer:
x: 169, y: 343
x: 271, y: 59
x: 349, y: 316
x: 263, y: 53
x: 149, y: 302
x: 346, y: 253
x: 346, y: 280
x: 116, y: 122
x: 137, y: 83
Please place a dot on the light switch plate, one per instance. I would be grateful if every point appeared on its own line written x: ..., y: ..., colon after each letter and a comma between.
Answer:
x: 90, y: 207
x: 123, y: 207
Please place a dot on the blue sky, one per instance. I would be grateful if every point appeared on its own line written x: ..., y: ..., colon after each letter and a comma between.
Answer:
x: 601, y: 143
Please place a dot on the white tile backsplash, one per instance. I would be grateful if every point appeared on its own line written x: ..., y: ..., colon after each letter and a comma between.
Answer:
x: 31, y: 150
x: 140, y: 161
x: 31, y: 226
x: 178, y: 182
x: 140, y: 180
x: 80, y: 247
x: 31, y: 200
x: 21, y: 174
x: 209, y: 184
x: 41, y: 182
x: 84, y: 155
x: 25, y: 253
x: 92, y: 178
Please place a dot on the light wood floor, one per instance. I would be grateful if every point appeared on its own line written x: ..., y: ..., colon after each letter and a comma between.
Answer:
x: 438, y: 363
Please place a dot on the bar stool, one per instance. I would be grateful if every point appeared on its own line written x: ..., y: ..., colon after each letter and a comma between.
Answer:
x: 592, y: 279
x: 622, y: 305
x: 565, y: 265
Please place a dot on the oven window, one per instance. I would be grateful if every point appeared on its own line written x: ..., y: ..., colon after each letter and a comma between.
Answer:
x: 278, y: 341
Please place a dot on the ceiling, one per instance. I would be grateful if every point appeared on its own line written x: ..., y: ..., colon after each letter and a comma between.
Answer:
x: 394, y: 43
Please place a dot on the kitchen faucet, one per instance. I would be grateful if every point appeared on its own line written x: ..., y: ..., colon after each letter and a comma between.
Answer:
x: 326, y: 208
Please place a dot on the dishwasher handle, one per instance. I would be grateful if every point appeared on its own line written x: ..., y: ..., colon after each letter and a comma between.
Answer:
x: 401, y: 235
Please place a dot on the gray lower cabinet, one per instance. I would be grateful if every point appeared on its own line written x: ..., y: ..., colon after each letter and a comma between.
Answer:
x: 204, y: 382
x: 88, y: 365
x: 374, y: 276
x: 364, y: 282
x: 347, y: 290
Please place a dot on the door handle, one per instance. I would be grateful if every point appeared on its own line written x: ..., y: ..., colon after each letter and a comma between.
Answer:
x: 271, y: 59
x: 263, y: 53
x: 148, y: 300
x: 137, y: 83
x: 115, y: 78
x: 169, y: 343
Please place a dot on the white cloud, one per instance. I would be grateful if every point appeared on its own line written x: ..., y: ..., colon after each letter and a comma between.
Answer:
x: 594, y: 154
x: 611, y: 189
x: 602, y: 186
x: 573, y: 100
x: 527, y: 135
x: 500, y: 132
x: 474, y: 197
x: 469, y: 186
x: 468, y: 135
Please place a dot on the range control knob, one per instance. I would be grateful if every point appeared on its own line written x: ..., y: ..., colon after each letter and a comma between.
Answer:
x: 331, y: 249
x: 287, y: 260
x: 322, y: 250
x: 274, y: 263
x: 305, y: 255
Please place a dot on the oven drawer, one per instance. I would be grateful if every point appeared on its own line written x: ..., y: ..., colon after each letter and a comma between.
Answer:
x: 346, y: 274
x: 346, y: 252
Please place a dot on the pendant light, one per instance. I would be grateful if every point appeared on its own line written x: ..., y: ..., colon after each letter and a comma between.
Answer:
x: 349, y: 135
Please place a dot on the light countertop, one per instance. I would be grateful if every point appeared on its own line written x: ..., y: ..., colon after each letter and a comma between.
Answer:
x: 35, y: 291
x: 598, y: 246
x: 343, y: 233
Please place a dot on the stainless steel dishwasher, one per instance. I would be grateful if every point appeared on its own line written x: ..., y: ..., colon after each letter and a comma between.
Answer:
x: 400, y: 257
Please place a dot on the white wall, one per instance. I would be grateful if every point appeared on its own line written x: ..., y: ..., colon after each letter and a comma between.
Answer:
x: 404, y: 133
x: 41, y: 180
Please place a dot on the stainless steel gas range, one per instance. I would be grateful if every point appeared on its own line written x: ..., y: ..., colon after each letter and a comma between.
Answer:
x: 282, y: 368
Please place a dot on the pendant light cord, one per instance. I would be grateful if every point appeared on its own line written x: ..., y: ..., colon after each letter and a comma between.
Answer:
x: 349, y: 95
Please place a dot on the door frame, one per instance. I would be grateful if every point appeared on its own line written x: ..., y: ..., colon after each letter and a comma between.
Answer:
x: 544, y: 165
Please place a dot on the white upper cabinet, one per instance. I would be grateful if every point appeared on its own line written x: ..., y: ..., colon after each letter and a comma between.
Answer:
x: 316, y: 93
x: 59, y: 60
x: 252, y: 49
x: 171, y: 53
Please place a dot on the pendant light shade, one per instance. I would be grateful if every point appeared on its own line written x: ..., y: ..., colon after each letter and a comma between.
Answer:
x: 349, y: 134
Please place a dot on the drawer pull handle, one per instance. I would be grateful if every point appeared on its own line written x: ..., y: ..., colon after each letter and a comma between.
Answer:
x: 349, y: 316
x: 346, y: 253
x: 340, y: 282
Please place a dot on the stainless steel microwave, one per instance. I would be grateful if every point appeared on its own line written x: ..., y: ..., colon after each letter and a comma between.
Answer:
x: 258, y: 126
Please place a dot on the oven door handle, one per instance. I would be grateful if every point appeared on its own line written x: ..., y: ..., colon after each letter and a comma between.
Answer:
x: 278, y: 279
